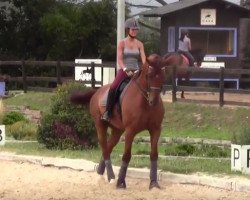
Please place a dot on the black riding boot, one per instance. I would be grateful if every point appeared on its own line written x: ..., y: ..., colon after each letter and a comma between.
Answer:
x: 109, y: 107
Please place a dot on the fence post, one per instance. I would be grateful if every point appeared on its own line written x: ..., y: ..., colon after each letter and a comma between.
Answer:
x: 92, y: 74
x: 222, y: 72
x: 24, y: 75
x: 174, y: 90
x: 102, y: 74
x: 58, y: 72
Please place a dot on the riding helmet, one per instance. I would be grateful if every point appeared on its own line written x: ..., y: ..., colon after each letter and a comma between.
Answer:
x: 184, y: 31
x: 131, y: 23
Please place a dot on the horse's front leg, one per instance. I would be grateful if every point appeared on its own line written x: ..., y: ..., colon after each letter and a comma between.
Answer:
x: 129, y: 137
x: 154, y: 138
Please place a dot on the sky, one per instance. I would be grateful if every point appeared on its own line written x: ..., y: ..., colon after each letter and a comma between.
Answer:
x: 154, y: 3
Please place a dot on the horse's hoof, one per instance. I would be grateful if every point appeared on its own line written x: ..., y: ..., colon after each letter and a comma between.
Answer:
x: 154, y: 184
x: 121, y: 184
x: 100, y: 180
x: 112, y: 181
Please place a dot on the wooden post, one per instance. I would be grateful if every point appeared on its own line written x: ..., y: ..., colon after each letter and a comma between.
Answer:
x: 102, y: 74
x: 222, y: 72
x: 92, y: 74
x: 58, y: 73
x: 174, y: 90
x: 24, y: 77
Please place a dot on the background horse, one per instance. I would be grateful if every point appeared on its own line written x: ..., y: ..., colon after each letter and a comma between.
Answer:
x: 181, y: 63
x: 141, y: 109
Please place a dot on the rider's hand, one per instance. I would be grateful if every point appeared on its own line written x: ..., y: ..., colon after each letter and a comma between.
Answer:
x: 129, y: 73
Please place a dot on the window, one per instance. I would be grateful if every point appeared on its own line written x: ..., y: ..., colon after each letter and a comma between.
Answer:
x: 219, y: 42
x: 171, y: 39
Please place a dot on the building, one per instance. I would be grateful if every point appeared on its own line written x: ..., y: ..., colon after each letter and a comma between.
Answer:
x: 219, y: 27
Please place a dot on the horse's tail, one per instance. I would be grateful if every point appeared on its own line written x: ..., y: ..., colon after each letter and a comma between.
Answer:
x: 82, y: 98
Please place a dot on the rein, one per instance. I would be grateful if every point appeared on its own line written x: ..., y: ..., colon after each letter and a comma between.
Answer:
x: 146, y: 92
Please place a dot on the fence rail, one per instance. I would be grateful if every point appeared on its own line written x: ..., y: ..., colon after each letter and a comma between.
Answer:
x: 58, y: 78
x: 219, y: 74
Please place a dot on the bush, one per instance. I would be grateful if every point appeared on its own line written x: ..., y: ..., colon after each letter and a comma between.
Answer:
x: 22, y: 130
x: 13, y: 117
x: 242, y: 137
x: 2, y: 110
x: 67, y: 125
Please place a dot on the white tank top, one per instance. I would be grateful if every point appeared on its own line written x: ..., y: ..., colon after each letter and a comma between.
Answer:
x: 183, y: 45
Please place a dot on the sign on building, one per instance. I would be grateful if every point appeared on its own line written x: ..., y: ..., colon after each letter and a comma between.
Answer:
x: 208, y: 17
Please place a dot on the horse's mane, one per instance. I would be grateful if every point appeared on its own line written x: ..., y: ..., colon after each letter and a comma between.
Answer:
x: 153, y: 60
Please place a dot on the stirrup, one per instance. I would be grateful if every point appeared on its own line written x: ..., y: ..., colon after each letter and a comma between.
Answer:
x: 105, y: 117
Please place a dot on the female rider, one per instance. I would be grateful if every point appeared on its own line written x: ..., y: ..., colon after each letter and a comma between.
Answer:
x: 130, y: 51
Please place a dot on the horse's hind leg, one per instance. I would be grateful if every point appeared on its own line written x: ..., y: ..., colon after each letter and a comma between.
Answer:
x: 182, y: 94
x: 107, y: 147
x: 101, y: 129
x: 154, y: 138
x: 112, y: 141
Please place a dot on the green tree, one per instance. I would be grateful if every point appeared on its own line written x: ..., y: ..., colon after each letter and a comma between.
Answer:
x: 81, y: 30
x: 65, y: 30
x: 21, y: 33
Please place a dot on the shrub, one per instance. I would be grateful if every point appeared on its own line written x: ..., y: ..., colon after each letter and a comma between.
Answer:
x: 2, y: 109
x: 22, y: 130
x: 13, y: 117
x: 67, y: 125
x: 185, y: 149
x: 242, y: 137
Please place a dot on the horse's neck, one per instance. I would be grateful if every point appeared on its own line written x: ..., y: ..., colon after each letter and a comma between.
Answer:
x: 141, y: 82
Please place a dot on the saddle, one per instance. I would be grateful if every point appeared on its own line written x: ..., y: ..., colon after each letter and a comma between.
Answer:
x: 118, y: 94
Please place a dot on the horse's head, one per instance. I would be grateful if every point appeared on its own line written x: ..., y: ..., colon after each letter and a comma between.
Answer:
x: 154, y: 73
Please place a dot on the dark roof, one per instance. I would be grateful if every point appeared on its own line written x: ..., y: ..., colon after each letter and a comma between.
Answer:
x: 172, y: 7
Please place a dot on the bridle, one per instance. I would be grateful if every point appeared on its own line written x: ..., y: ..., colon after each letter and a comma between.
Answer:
x: 146, y: 91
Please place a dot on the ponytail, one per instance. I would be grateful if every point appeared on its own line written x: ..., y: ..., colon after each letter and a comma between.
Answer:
x: 182, y: 36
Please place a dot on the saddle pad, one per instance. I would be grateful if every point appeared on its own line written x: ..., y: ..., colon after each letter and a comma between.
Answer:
x: 186, y: 61
x: 104, y: 98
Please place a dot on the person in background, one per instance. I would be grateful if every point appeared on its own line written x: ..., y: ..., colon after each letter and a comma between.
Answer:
x: 129, y: 53
x: 185, y: 46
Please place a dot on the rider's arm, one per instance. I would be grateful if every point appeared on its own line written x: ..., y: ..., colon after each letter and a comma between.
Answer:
x: 189, y: 44
x: 142, y: 53
x: 120, y: 55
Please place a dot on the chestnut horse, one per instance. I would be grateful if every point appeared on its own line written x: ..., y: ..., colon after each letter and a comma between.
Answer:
x: 181, y: 63
x: 141, y: 109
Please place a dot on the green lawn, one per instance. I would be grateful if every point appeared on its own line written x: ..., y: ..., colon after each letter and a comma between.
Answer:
x: 33, y: 100
x: 177, y: 165
x: 181, y: 120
